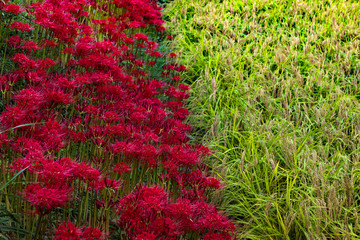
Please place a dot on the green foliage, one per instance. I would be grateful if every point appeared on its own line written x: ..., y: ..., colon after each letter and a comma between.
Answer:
x: 163, y: 1
x: 10, y: 226
x: 276, y: 95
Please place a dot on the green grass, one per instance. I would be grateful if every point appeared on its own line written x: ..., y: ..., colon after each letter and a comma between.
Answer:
x: 276, y: 95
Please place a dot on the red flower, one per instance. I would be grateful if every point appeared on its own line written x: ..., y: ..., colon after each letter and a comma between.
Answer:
x: 45, y: 199
x: 145, y: 236
x: 176, y: 78
x: 57, y: 96
x: 67, y: 231
x: 173, y: 55
x: 181, y: 68
x: 141, y: 37
x: 217, y: 236
x: 13, y: 116
x: 181, y: 113
x: 151, y: 63
x: 30, y: 99
x: 215, y: 222
x: 52, y: 135
x: 155, y: 54
x: 4, y: 140
x: 23, y: 27
x: 149, y: 155
x: 19, y: 164
x: 30, y: 45
x: 13, y: 8
x: 183, y: 87
x: 122, y: 167
x: 111, y: 184
x: 14, y: 41
x: 212, y: 182
x: 91, y: 233
x: 110, y: 116
x: 86, y: 173
x: 86, y: 29
x: 49, y: 43
x: 57, y: 172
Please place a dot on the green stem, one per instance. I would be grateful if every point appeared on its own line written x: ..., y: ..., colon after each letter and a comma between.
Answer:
x: 38, y: 227
x: 3, y: 61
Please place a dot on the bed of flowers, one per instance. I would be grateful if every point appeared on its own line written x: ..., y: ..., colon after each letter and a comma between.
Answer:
x: 93, y: 144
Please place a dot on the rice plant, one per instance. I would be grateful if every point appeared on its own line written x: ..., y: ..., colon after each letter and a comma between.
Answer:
x: 275, y: 94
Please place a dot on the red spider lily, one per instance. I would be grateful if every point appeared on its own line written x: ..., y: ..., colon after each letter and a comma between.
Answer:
x: 30, y: 45
x: 66, y: 83
x: 117, y: 130
x: 4, y: 84
x: 13, y: 116
x: 4, y: 140
x: 20, y: 58
x: 182, y: 156
x: 183, y: 87
x: 19, y: 164
x: 86, y: 30
x: 174, y: 104
x: 30, y: 99
x: 141, y: 37
x: 45, y: 199
x: 212, y: 182
x: 145, y: 236
x: 49, y: 43
x: 13, y: 8
x: 110, y: 116
x: 155, y: 54
x: 57, y: 96
x: 149, y: 155
x: 217, y: 236
x: 150, y: 210
x: 179, y: 95
x: 136, y: 209
x: 176, y: 78
x: 91, y: 233
x: 27, y: 145
x: 151, y: 63
x: 111, y: 184
x: 52, y: 135
x: 14, y: 41
x: 86, y: 173
x: 122, y: 167
x: 67, y: 231
x: 23, y: 27
x: 57, y: 172
x: 181, y: 113
x: 173, y: 55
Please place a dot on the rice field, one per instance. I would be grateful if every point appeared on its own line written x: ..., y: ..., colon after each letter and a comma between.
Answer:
x: 275, y: 93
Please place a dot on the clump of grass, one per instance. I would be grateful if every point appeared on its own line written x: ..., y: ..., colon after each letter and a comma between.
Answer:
x: 276, y: 95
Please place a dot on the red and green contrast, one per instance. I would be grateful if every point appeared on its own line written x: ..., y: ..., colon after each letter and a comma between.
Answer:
x: 93, y: 143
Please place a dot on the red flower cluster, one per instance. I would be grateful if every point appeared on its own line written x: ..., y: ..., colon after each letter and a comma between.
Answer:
x: 45, y: 199
x: 67, y: 231
x: 90, y: 123
x: 13, y: 8
x: 149, y: 212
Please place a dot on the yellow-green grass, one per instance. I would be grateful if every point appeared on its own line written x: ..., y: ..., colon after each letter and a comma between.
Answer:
x: 276, y: 95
